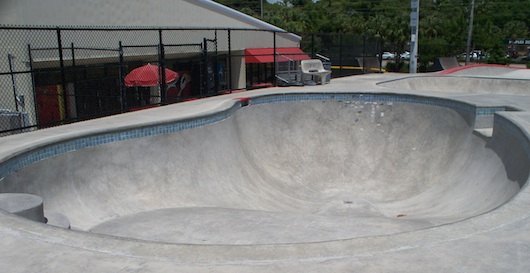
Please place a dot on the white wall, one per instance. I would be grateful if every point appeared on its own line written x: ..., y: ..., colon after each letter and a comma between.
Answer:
x: 122, y: 13
x: 172, y: 13
x: 135, y: 13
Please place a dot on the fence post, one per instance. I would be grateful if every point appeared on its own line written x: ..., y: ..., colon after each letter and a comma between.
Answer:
x: 73, y: 55
x: 123, y: 95
x: 229, y: 62
x: 215, y: 66
x: 13, y: 82
x: 379, y: 49
x: 32, y: 73
x: 206, y: 79
x: 63, y: 77
x: 340, y: 54
x: 274, y: 66
x: 162, y: 63
x: 365, y: 69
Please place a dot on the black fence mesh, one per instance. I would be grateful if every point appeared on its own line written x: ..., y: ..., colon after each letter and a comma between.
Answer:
x: 349, y: 54
x: 53, y: 76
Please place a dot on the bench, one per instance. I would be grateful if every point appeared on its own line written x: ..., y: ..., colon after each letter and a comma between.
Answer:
x: 314, y: 67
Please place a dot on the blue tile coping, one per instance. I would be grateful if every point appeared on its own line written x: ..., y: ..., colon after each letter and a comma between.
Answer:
x: 23, y: 160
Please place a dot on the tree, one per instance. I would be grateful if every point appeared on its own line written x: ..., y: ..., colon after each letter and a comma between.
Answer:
x: 443, y: 24
x: 251, y: 7
x: 297, y: 3
x: 515, y: 29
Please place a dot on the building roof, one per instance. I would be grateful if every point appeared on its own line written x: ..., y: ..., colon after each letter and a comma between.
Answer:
x: 126, y: 13
x: 130, y: 13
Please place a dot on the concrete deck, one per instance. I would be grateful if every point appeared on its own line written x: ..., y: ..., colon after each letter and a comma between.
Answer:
x: 397, y: 187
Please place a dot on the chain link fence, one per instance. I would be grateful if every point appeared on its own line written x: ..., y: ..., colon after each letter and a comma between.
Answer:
x: 348, y: 54
x: 53, y: 76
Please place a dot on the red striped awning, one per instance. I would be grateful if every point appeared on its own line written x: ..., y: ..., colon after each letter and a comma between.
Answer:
x: 266, y: 55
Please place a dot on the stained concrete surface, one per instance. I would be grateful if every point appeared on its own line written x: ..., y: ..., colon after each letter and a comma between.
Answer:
x: 307, y: 187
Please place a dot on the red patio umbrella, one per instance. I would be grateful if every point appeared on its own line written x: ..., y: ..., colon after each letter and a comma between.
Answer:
x: 148, y: 75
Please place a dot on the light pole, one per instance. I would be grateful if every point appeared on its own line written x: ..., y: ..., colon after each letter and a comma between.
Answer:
x: 414, y: 22
x: 470, y: 31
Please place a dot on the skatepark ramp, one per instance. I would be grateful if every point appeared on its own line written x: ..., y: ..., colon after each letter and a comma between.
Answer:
x: 315, y: 163
x: 460, y: 83
x: 443, y: 63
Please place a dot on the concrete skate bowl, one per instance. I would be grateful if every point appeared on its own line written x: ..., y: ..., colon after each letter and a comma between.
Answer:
x: 297, y: 175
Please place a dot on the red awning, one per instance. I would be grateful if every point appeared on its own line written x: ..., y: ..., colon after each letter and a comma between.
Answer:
x: 266, y: 55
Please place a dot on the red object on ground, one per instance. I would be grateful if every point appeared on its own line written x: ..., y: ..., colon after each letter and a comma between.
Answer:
x: 266, y: 55
x: 148, y: 75
x: 460, y: 68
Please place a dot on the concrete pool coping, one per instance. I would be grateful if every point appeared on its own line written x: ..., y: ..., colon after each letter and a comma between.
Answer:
x: 488, y: 242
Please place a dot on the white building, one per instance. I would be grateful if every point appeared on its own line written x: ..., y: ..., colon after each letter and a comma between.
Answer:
x: 188, y: 28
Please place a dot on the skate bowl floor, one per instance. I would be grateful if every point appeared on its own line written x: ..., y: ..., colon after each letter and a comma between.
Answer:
x: 333, y: 176
x: 281, y: 172
x: 285, y: 172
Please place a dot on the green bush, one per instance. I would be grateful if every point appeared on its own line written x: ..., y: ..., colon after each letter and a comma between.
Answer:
x: 404, y: 68
x: 498, y: 56
x: 397, y: 67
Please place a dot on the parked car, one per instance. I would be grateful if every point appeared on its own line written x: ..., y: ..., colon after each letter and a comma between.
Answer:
x: 387, y: 55
x: 474, y: 55
x: 405, y: 55
x: 522, y: 58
